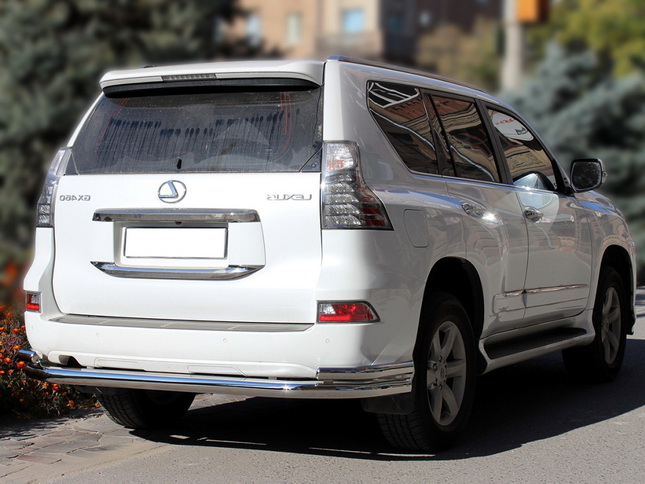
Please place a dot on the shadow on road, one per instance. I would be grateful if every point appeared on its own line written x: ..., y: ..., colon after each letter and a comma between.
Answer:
x: 514, y: 406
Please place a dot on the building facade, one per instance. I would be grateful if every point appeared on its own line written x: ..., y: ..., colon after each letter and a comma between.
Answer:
x: 312, y: 28
x: 399, y: 31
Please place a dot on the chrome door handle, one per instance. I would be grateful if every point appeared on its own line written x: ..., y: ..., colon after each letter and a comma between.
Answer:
x: 473, y: 209
x: 533, y: 214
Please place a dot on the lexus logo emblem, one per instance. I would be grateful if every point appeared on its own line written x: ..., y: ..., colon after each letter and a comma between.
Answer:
x: 172, y: 191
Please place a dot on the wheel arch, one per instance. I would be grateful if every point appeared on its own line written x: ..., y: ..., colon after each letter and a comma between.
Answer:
x: 459, y: 278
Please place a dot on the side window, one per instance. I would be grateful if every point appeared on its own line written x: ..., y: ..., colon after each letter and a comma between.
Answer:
x: 529, y: 164
x: 399, y: 111
x: 472, y: 151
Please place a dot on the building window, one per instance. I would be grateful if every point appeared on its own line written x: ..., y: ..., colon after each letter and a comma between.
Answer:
x: 220, y: 30
x: 425, y: 19
x: 353, y: 21
x: 396, y: 23
x: 254, y: 30
x: 294, y: 29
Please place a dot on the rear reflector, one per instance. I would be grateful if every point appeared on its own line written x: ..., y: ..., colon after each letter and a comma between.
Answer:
x: 32, y: 301
x: 357, y: 312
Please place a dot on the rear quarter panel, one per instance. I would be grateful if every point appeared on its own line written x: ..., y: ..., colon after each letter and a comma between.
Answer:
x: 388, y: 268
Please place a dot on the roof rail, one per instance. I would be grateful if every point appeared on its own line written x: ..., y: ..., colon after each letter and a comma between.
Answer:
x: 417, y: 72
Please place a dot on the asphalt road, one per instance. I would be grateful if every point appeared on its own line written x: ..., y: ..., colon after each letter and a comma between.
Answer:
x: 531, y: 424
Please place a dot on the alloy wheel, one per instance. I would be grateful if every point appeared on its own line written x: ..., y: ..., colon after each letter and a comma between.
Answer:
x: 446, y: 373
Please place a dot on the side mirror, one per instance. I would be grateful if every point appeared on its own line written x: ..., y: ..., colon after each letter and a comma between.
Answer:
x: 587, y: 174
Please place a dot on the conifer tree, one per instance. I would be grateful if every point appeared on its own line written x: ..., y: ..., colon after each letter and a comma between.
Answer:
x: 52, y: 53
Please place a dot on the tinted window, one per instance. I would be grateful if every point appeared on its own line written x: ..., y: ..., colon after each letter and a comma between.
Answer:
x: 400, y: 112
x: 227, y: 131
x: 529, y: 164
x: 472, y: 151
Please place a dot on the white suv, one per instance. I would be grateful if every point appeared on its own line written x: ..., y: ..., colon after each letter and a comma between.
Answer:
x: 317, y: 229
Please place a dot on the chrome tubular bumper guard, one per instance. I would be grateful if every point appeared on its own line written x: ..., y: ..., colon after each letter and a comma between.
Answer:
x: 330, y: 383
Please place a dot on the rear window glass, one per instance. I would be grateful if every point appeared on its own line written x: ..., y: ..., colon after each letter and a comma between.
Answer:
x: 472, y: 150
x: 400, y: 112
x: 200, y: 131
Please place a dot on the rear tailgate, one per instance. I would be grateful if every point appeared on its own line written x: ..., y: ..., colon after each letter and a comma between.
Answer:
x: 196, y: 201
x: 282, y: 242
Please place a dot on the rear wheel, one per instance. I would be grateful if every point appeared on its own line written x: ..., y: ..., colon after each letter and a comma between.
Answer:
x: 444, y: 381
x: 601, y: 360
x: 147, y: 409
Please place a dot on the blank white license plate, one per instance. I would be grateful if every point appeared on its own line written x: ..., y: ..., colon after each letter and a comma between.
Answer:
x: 184, y: 243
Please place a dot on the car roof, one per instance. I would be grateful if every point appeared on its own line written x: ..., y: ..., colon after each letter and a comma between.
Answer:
x: 308, y: 70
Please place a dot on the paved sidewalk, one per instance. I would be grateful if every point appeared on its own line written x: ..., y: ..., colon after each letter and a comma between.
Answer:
x: 33, y: 451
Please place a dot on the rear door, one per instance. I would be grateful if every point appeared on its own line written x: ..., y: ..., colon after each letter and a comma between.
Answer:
x: 494, y: 228
x: 193, y: 202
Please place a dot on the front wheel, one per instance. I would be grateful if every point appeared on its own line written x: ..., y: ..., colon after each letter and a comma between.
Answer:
x: 444, y: 381
x: 601, y: 360
x: 144, y: 409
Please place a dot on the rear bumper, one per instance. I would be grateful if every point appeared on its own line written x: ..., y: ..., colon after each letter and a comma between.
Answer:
x: 330, y: 383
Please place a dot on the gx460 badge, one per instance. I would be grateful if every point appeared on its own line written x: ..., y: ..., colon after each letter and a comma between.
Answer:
x: 75, y: 198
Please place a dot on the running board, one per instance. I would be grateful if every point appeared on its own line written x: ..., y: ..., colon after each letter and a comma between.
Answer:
x: 503, y: 353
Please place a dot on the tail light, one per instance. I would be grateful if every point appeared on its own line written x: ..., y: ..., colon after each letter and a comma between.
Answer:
x: 45, y: 206
x: 32, y: 301
x: 346, y: 201
x: 342, y: 312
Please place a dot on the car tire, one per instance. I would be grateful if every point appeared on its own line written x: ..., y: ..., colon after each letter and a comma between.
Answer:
x: 444, y: 382
x: 600, y: 361
x: 144, y: 409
